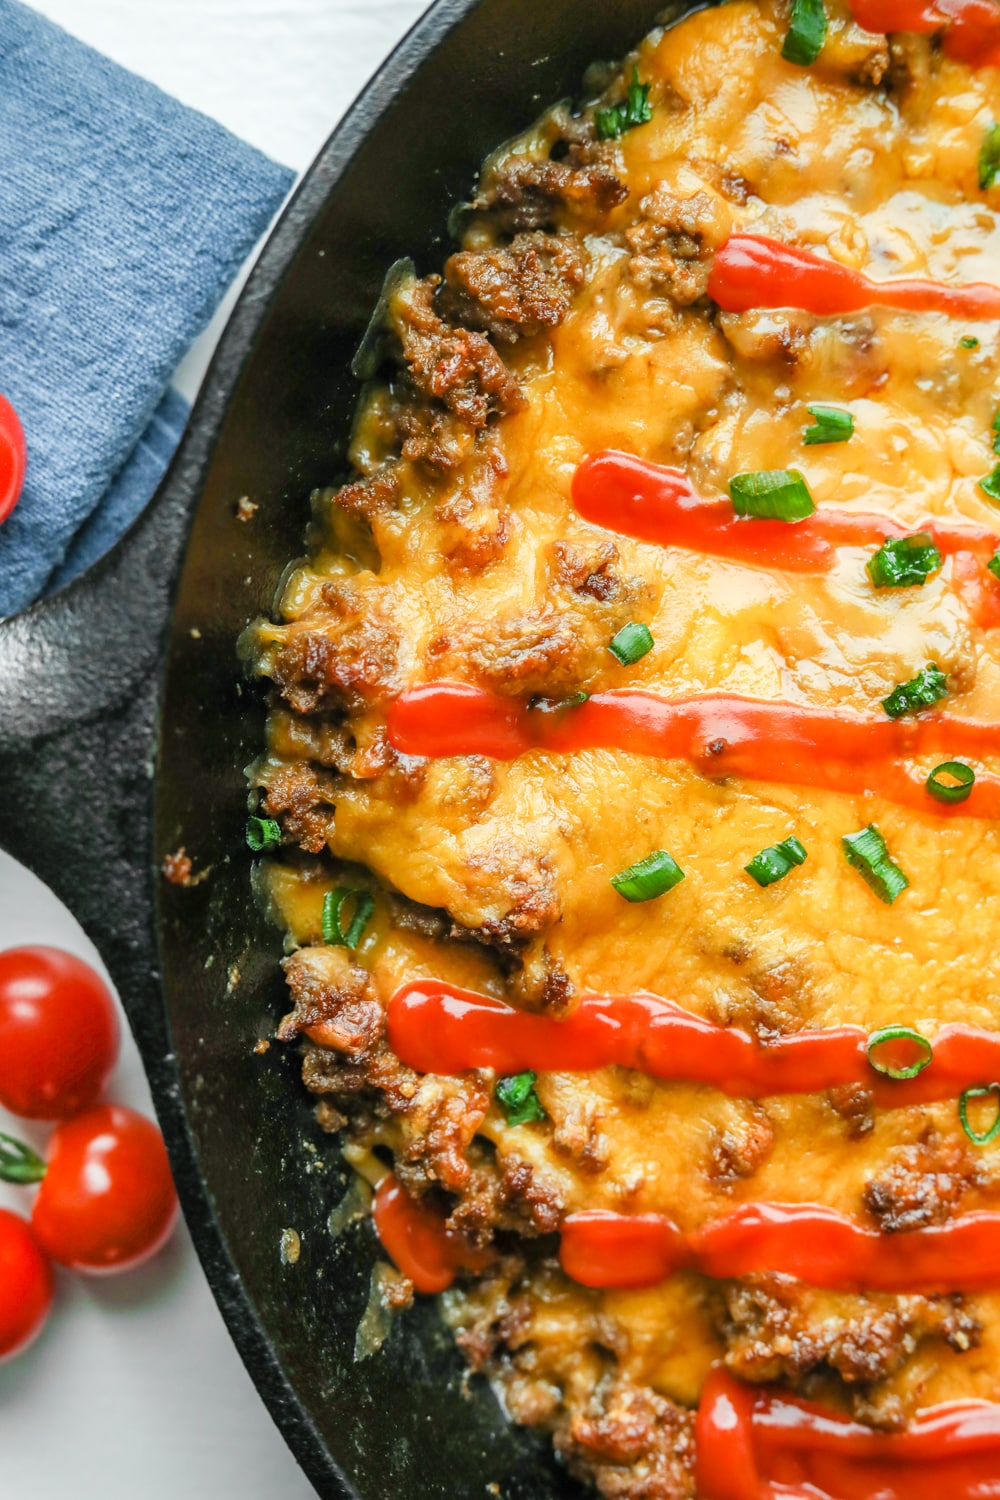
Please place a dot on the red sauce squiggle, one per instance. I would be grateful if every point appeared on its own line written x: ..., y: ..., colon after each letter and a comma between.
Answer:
x: 813, y: 1244
x: 657, y: 504
x: 973, y: 26
x: 435, y: 1027
x: 816, y: 1245
x: 753, y: 1444
x: 752, y: 271
x: 721, y: 734
x: 416, y: 1238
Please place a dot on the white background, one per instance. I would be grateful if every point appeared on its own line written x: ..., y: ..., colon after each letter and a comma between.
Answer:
x: 134, y: 1391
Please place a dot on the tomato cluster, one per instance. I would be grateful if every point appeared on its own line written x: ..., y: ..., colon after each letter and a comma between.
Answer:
x: 105, y: 1199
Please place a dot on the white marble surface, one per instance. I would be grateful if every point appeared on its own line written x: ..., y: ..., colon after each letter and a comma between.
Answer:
x: 134, y: 1389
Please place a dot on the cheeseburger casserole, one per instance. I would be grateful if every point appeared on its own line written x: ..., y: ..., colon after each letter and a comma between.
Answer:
x: 631, y: 795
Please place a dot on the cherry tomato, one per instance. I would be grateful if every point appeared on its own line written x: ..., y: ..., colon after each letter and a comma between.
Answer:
x: 58, y: 1033
x: 13, y: 458
x: 25, y: 1284
x: 107, y: 1200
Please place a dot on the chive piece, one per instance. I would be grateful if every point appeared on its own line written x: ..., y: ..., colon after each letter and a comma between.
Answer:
x: 959, y: 788
x: 983, y: 1092
x: 929, y: 686
x: 994, y: 564
x: 867, y: 853
x: 968, y: 341
x: 806, y: 32
x: 632, y: 643
x: 538, y: 702
x: 263, y: 833
x: 651, y: 877
x: 776, y: 861
x: 996, y: 433
x: 520, y: 1102
x: 889, y: 1067
x: 774, y: 494
x: 904, y: 561
x: 333, y: 902
x: 989, y: 158
x: 991, y: 484
x: 613, y: 122
x: 832, y: 425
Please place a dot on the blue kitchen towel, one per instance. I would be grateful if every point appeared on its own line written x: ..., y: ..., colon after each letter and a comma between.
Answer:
x: 124, y: 216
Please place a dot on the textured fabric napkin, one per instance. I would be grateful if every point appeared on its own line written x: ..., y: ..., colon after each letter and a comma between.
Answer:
x: 124, y: 216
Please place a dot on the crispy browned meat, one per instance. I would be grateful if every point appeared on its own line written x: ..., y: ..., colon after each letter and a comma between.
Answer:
x: 525, y: 193
x: 775, y: 1328
x: 548, y: 649
x: 674, y: 241
x: 511, y: 1195
x: 924, y: 1184
x: 371, y: 496
x: 588, y: 569
x: 516, y: 290
x: 329, y: 991
x: 177, y: 867
x: 631, y: 1444
x: 458, y: 367
x: 303, y: 797
x: 741, y: 1148
x: 856, y: 1106
x: 475, y: 524
x: 352, y: 660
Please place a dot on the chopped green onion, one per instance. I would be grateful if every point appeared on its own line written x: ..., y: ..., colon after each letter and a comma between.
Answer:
x: 979, y: 1138
x: 774, y: 863
x: 989, y: 158
x: 832, y: 425
x: 263, y: 833
x: 991, y: 484
x: 540, y: 704
x: 963, y: 779
x: 520, y: 1103
x: 929, y: 686
x: 613, y: 122
x: 806, y: 32
x: 632, y: 643
x: 994, y: 564
x: 774, y: 494
x: 996, y: 433
x: 651, y: 877
x: 867, y: 853
x: 333, y: 903
x: 904, y: 561
x: 890, y: 1067
x: 968, y: 341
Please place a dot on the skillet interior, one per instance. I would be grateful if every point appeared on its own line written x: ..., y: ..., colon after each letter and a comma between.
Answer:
x: 406, y: 154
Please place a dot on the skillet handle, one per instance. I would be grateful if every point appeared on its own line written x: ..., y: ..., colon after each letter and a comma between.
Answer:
x: 79, y: 688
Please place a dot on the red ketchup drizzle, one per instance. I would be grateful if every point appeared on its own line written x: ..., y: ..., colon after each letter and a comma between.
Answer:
x: 416, y: 1238
x: 654, y: 503
x: 721, y: 734
x: 752, y: 271
x: 973, y: 26
x: 435, y: 1027
x: 753, y: 1444
x: 816, y: 1245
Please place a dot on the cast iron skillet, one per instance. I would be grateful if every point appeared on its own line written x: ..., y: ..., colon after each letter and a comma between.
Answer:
x: 124, y: 730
